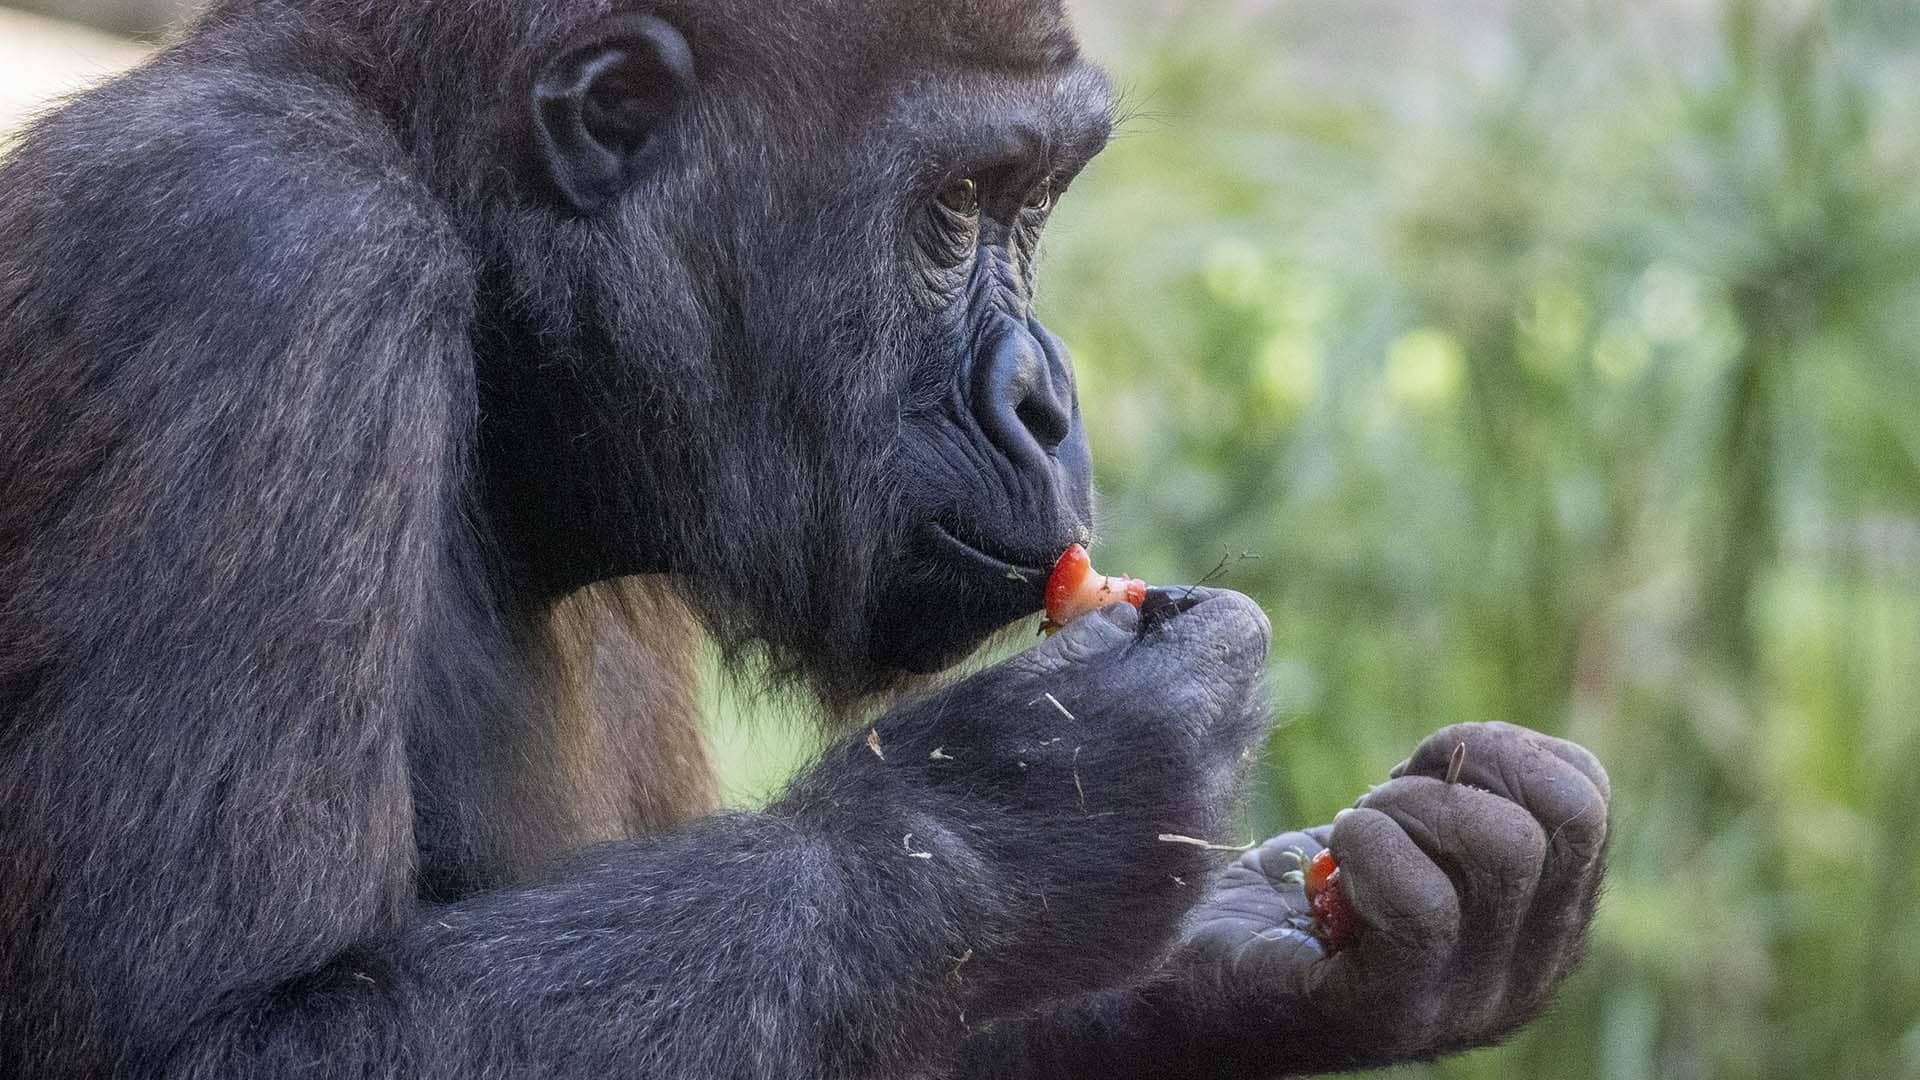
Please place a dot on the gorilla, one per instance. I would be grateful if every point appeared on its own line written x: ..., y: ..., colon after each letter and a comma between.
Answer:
x: 391, y: 395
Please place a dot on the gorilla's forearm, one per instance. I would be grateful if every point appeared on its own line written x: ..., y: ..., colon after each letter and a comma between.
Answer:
x: 1178, y: 1026
x: 1174, y: 1028
x: 904, y: 888
x: 1164, y: 1030
x: 743, y: 946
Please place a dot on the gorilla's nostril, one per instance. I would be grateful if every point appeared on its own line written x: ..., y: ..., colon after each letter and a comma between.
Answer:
x: 1024, y: 394
x: 1044, y: 418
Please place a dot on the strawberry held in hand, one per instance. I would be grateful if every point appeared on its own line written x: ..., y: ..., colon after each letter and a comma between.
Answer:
x: 1333, y: 917
x: 1074, y: 589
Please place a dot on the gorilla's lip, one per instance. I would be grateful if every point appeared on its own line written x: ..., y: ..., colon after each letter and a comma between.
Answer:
x: 1002, y: 568
x: 979, y: 593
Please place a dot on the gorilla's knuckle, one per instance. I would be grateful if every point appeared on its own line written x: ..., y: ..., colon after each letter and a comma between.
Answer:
x: 1412, y: 805
x: 1238, y: 625
x: 1577, y: 840
x: 1504, y: 853
x: 1489, y: 847
x: 1418, y: 920
x: 1387, y: 857
x: 1583, y: 761
x: 1224, y: 640
x: 1573, y: 813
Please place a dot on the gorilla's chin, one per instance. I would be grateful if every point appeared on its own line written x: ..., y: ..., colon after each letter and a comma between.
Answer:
x: 944, y: 598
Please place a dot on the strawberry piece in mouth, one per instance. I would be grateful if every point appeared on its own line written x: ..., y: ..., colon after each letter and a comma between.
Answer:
x: 1074, y: 589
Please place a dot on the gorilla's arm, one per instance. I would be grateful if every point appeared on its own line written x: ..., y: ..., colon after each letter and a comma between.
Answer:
x: 1475, y: 895
x: 972, y: 855
x: 234, y: 583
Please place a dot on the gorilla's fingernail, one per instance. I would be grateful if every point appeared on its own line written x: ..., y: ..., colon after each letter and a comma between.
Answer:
x: 1162, y: 604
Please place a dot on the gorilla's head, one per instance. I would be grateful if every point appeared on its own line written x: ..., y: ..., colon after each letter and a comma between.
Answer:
x: 765, y: 277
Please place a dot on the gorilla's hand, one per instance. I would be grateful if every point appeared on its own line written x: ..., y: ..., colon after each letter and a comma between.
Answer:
x: 1036, y: 794
x: 1474, y: 898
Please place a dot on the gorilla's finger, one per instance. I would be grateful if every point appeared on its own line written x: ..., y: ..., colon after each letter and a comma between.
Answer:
x: 1281, y: 856
x: 1202, y: 669
x: 1573, y: 754
x: 1406, y: 903
x: 1491, y: 850
x: 1257, y: 912
x: 1442, y: 743
x: 1091, y: 637
x: 1554, y: 779
x: 1165, y: 602
x: 1554, y: 934
x: 1435, y: 753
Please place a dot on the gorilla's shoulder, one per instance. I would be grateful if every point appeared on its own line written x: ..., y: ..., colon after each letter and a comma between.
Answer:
x: 222, y: 161
x: 214, y: 205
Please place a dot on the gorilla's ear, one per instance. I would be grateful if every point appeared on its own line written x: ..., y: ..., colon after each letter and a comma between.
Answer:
x: 598, y: 97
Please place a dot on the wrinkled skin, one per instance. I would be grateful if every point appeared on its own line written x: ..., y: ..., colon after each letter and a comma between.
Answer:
x: 1474, y: 898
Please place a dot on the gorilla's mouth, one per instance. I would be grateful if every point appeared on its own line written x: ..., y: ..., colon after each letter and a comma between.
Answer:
x: 999, y: 567
x: 946, y: 596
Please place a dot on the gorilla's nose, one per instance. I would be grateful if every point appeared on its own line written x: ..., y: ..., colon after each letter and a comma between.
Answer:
x: 1024, y: 399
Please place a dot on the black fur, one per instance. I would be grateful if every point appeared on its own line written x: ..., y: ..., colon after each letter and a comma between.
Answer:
x: 368, y: 461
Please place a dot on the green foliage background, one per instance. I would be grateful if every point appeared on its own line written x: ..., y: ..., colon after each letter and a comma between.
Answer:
x: 1559, y: 361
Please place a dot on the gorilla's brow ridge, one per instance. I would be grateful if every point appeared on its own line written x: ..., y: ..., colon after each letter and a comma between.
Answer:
x: 974, y: 120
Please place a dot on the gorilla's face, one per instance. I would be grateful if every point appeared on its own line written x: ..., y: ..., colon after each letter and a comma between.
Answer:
x: 801, y: 369
x: 991, y: 459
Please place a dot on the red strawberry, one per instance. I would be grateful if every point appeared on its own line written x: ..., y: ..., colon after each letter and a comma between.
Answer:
x: 1073, y: 589
x: 1333, y: 916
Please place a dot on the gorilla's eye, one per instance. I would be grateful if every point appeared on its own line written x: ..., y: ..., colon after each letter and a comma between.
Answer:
x: 962, y: 197
x: 1041, y: 198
